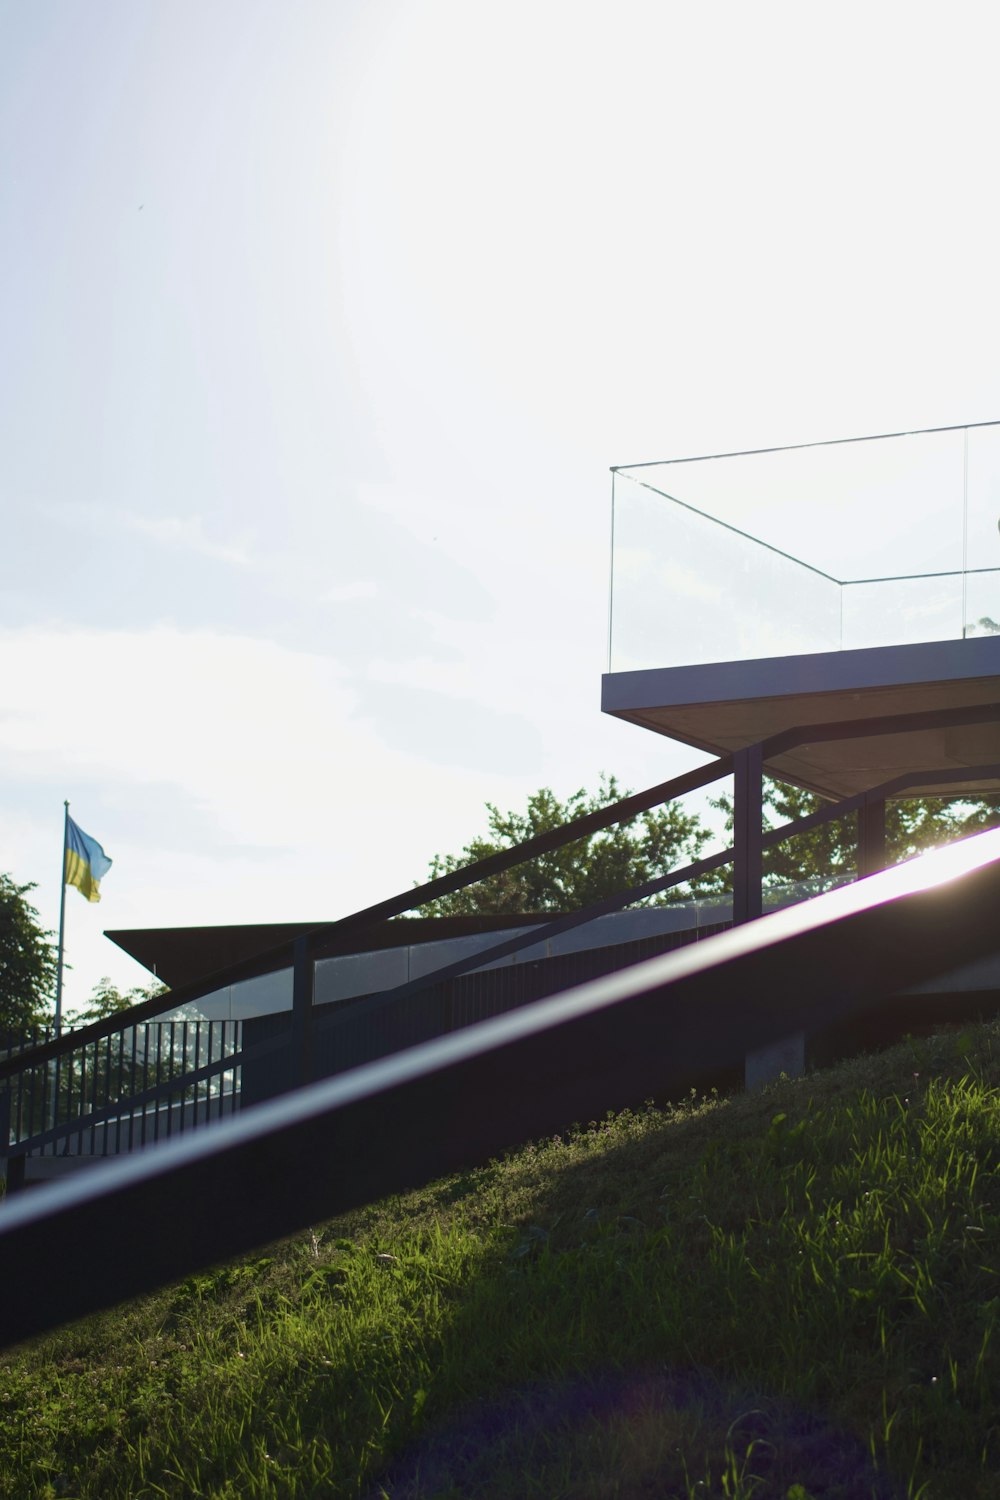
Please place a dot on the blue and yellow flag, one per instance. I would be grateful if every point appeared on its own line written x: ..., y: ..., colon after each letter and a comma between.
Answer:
x: 86, y: 862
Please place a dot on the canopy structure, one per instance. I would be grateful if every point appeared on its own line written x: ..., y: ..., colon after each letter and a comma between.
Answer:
x: 725, y: 706
x: 756, y: 593
x: 183, y: 955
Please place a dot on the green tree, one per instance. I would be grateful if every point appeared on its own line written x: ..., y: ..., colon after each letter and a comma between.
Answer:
x: 624, y: 855
x: 107, y: 999
x: 27, y: 960
x: 125, y: 1062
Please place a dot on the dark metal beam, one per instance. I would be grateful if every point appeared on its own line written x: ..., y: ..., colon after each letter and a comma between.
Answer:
x: 748, y: 815
x: 443, y: 885
x: 858, y: 729
x: 871, y: 835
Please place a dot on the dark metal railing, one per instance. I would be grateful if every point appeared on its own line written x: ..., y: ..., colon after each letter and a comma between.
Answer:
x: 456, y: 1101
x: 148, y: 1080
x: 89, y: 1078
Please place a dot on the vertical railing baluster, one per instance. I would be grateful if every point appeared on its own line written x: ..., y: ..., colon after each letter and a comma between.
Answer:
x: 184, y: 1056
x: 146, y: 1084
x: 42, y: 1074
x: 159, y: 1064
x: 119, y: 1091
x: 208, y: 1081
x: 145, y: 1077
x: 106, y: 1091
x: 172, y: 1121
x: 20, y: 1108
x: 132, y: 1089
x: 32, y: 1118
x: 197, y: 1063
x: 170, y: 1075
x: 57, y: 1088
x: 27, y: 1088
x: 95, y: 1082
x: 45, y: 1113
x: 80, y: 1101
x: 52, y: 1114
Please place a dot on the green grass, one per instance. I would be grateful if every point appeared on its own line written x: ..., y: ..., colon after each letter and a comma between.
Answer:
x: 794, y: 1295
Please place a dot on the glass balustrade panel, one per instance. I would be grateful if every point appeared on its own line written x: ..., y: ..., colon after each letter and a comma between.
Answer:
x: 688, y: 589
x: 876, y: 542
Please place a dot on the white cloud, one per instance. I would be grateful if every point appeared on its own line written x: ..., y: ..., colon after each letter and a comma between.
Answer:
x: 230, y: 779
x: 188, y: 533
x: 362, y: 588
x: 216, y: 716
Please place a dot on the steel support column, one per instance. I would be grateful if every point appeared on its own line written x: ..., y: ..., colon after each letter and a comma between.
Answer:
x: 748, y: 770
x: 871, y: 836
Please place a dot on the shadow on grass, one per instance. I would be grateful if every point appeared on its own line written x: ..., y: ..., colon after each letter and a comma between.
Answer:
x: 716, y: 1309
x: 635, y: 1437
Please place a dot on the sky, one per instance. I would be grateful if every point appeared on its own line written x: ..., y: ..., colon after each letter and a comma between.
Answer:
x: 321, y: 327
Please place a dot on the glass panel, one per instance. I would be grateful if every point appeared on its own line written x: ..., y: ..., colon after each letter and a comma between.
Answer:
x: 686, y: 589
x: 776, y: 897
x: 900, y: 611
x: 982, y: 599
x: 833, y: 546
x: 853, y: 510
x: 982, y: 603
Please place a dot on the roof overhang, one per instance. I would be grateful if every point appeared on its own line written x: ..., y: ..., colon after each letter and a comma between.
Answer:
x: 185, y: 955
x: 719, y: 707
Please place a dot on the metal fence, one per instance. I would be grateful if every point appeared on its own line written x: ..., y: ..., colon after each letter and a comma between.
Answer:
x: 350, y: 1033
x: 80, y: 1095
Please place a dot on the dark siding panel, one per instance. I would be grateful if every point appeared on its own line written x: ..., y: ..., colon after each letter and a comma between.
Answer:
x: 358, y: 1031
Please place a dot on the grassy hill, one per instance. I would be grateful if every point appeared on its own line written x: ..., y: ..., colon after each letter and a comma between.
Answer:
x: 792, y: 1295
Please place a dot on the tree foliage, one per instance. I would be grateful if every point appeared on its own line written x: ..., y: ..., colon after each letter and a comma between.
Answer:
x: 106, y: 999
x: 126, y: 1062
x: 27, y: 960
x: 624, y: 855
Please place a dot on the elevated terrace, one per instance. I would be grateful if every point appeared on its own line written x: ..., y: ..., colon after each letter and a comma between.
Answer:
x: 834, y: 583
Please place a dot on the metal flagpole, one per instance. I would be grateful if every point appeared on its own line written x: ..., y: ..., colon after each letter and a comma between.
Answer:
x: 54, y: 1066
x: 62, y: 920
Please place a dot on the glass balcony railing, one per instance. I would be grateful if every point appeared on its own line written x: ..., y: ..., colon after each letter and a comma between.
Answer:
x: 865, y: 542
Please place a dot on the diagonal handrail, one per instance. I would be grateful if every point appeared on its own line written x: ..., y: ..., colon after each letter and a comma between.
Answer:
x: 621, y: 899
x: 390, y: 1126
x: 442, y: 885
x: 529, y: 938
x: 564, y: 923
x: 616, y: 812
